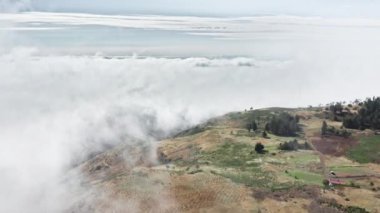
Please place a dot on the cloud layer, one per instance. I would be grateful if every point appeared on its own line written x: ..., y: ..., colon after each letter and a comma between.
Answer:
x: 193, y: 24
x: 262, y: 36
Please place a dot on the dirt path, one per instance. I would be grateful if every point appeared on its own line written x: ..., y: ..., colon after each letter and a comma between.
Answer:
x: 321, y: 159
x: 309, y: 134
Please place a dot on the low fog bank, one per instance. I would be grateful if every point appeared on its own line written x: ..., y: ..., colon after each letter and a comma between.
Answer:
x: 11, y: 6
x: 56, y: 110
x: 270, y: 37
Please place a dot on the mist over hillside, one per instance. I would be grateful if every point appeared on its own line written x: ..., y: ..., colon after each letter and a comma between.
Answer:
x: 86, y: 99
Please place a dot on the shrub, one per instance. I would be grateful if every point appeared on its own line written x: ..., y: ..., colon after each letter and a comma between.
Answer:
x: 259, y: 148
x: 293, y: 146
x: 331, y: 130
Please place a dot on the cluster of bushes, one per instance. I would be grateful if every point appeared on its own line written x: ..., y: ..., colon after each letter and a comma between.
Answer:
x: 259, y: 148
x: 337, y: 111
x: 293, y: 146
x: 332, y: 131
x: 348, y: 209
x: 283, y: 124
x: 368, y: 116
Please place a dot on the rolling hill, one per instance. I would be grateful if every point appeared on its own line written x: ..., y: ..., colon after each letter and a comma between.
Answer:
x: 214, y: 167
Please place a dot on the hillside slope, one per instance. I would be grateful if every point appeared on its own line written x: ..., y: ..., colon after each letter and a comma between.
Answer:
x: 214, y: 167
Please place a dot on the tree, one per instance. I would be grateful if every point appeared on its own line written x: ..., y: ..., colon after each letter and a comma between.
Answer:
x: 259, y: 148
x: 368, y: 116
x: 324, y: 128
x: 351, y: 122
x: 284, y: 124
x: 336, y: 108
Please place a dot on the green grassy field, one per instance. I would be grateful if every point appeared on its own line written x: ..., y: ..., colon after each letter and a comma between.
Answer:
x: 368, y: 150
x: 231, y: 154
x: 302, y: 158
x: 306, y: 177
x: 348, y: 169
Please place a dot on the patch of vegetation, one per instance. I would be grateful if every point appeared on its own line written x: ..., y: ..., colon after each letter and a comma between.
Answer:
x: 230, y: 154
x: 347, y: 169
x: 347, y: 209
x: 367, y: 151
x: 304, y: 159
x: 336, y: 111
x: 306, y: 177
x: 259, y: 117
x: 284, y: 124
x: 250, y: 178
x: 236, y: 115
x: 237, y: 163
x: 332, y: 131
x: 255, y: 177
x: 293, y: 146
x: 192, y: 131
x: 368, y: 116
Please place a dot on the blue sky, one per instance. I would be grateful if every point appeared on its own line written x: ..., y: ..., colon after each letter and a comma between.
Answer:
x: 326, y: 8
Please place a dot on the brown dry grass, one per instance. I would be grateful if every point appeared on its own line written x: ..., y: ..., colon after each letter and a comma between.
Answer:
x: 206, y: 191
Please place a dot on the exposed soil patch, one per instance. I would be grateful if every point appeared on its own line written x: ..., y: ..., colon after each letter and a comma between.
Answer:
x: 333, y: 145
